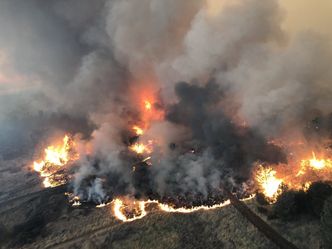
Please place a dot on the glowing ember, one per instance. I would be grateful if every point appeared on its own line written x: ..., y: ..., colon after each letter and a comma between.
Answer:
x: 146, y: 159
x: 76, y: 203
x: 56, y: 156
x: 103, y: 205
x: 47, y: 183
x: 147, y: 105
x: 268, y: 183
x: 138, y: 130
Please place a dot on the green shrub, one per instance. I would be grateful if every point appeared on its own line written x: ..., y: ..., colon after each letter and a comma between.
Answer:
x: 316, y: 195
x: 326, y: 223
x: 290, y: 204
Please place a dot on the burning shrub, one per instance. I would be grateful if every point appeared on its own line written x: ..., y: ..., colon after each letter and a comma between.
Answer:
x: 326, y: 222
x: 316, y: 196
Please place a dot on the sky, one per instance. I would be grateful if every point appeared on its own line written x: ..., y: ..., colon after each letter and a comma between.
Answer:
x: 303, y: 15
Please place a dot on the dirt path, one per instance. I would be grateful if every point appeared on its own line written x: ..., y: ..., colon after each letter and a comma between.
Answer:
x: 259, y: 223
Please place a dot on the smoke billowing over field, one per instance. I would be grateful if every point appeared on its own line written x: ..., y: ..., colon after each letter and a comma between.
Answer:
x: 164, y: 100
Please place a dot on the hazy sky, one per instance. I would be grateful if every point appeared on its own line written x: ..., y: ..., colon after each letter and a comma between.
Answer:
x: 308, y: 15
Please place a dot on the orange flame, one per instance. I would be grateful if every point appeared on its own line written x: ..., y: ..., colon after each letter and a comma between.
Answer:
x: 296, y: 175
x: 147, y: 105
x: 314, y: 164
x: 318, y: 164
x: 54, y: 159
x: 170, y: 209
x: 120, y: 209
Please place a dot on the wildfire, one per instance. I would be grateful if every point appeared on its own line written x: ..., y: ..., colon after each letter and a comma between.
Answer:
x: 141, y: 148
x: 76, y: 203
x: 119, y: 210
x: 170, y: 209
x: 317, y: 164
x: 296, y: 175
x: 269, y: 184
x: 139, y: 131
x: 151, y: 110
x: 147, y: 105
x: 55, y: 157
x: 103, y: 205
x: 134, y: 210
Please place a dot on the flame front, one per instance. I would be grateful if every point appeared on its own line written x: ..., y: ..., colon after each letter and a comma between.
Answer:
x: 169, y: 209
x: 120, y: 209
x: 55, y: 157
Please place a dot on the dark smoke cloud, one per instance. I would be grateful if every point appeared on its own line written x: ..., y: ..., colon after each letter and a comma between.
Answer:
x: 216, y: 147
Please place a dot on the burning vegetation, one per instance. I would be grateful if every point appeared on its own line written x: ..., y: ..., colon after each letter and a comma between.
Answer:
x: 56, y: 157
x: 164, y: 112
x: 271, y: 180
x: 267, y: 182
x: 296, y: 175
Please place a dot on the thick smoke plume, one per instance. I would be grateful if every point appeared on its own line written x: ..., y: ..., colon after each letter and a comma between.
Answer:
x: 225, y: 78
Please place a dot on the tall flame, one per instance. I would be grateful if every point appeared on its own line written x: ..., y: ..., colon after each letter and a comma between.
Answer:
x: 55, y: 157
x: 269, y: 184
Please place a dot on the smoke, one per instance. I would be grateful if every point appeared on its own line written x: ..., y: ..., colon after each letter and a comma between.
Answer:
x: 228, y: 76
x: 285, y: 88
